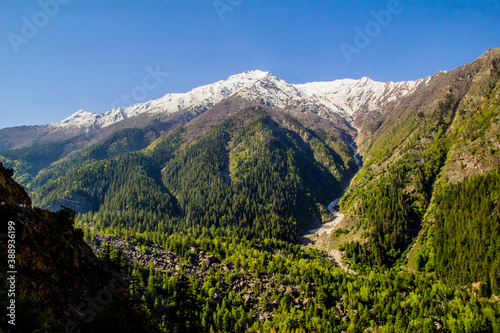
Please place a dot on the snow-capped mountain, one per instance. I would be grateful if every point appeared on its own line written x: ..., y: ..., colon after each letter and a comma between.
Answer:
x: 81, y: 117
x: 344, y: 97
x: 351, y: 96
x: 201, y: 97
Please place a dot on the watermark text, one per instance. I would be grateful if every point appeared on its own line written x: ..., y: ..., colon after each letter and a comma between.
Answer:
x: 139, y: 93
x: 31, y: 27
x: 11, y: 273
x: 225, y: 6
x: 371, y: 30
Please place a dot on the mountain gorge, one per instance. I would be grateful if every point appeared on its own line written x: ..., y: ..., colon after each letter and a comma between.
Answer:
x: 224, y: 180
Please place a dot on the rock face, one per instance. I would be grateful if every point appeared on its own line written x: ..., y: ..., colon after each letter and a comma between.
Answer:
x: 76, y: 202
x: 10, y: 191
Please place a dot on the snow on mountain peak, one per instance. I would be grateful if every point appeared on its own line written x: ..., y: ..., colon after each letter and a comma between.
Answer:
x: 341, y: 96
x: 250, y: 75
x: 351, y: 95
x: 80, y: 117
x: 208, y: 95
x: 200, y: 97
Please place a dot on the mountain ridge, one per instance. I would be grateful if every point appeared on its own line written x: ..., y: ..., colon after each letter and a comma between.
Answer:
x: 442, y: 139
x: 230, y: 188
x: 255, y: 86
x: 238, y: 82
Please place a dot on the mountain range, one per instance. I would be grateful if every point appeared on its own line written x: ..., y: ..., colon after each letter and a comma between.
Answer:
x: 346, y: 98
x: 396, y: 183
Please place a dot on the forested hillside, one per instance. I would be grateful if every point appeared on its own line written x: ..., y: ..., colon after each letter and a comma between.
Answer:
x: 250, y: 175
x: 203, y: 214
x: 431, y: 171
x: 50, y: 157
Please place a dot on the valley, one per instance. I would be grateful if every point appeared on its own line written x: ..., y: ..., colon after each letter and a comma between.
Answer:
x: 255, y: 205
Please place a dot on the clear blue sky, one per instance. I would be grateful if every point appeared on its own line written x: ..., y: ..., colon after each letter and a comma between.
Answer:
x: 87, y: 53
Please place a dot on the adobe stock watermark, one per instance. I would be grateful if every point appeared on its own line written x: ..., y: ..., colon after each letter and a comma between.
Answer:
x: 371, y: 30
x: 139, y: 93
x: 11, y: 273
x: 224, y: 6
x: 31, y: 28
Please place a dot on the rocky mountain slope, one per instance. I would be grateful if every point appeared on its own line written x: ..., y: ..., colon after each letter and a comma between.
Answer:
x: 208, y: 203
x: 342, y: 103
x: 345, y: 97
x: 430, y: 149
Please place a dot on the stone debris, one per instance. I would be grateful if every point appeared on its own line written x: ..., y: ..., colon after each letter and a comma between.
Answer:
x: 201, y: 264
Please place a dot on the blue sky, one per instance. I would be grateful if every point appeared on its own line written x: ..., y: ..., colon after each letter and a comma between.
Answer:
x: 86, y: 54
